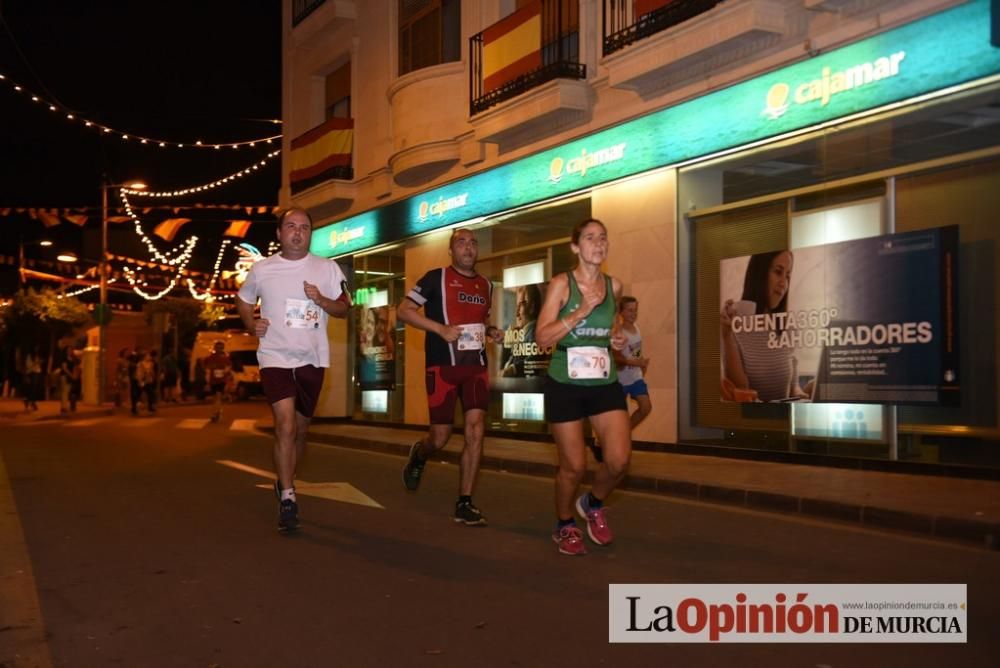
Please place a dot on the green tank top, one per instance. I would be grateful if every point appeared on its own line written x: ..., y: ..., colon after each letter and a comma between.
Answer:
x: 594, y: 330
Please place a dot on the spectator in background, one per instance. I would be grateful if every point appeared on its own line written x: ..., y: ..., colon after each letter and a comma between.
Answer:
x: 145, y: 377
x: 123, y: 385
x: 168, y: 388
x: 31, y: 379
x: 69, y: 379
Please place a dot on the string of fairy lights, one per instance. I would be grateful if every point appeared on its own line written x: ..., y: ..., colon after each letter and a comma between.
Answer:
x: 207, y: 295
x: 179, y: 256
x: 131, y: 137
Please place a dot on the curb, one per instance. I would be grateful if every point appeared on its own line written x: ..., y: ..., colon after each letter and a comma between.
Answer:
x: 969, y: 532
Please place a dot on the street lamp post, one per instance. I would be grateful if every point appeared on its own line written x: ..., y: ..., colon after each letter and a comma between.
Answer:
x: 20, y: 255
x: 102, y: 315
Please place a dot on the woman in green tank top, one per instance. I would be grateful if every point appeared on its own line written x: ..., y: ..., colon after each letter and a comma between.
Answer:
x: 578, y: 320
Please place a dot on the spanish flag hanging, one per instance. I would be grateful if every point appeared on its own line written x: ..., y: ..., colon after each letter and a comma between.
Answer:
x: 321, y: 154
x: 643, y: 7
x: 168, y: 229
x: 512, y: 46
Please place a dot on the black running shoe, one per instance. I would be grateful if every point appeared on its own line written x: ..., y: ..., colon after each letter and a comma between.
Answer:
x: 288, y: 516
x: 414, y: 468
x: 469, y: 515
x: 596, y: 450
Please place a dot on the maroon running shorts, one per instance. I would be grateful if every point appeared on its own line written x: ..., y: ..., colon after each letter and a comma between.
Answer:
x: 303, y: 383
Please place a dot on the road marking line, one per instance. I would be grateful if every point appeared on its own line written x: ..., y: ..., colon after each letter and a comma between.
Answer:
x: 142, y: 422
x: 192, y: 423
x: 87, y: 422
x: 333, y: 491
x: 243, y: 425
x: 344, y: 492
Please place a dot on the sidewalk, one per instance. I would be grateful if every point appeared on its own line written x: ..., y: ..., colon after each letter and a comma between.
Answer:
x: 953, y: 509
x: 13, y: 409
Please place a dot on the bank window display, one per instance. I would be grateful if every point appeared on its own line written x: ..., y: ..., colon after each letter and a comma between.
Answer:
x: 377, y: 351
x: 885, y: 256
x: 527, y: 250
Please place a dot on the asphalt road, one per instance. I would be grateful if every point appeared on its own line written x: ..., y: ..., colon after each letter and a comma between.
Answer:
x: 151, y: 544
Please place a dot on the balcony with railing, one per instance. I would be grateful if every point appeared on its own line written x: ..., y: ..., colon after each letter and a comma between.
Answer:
x: 529, y: 57
x: 628, y: 21
x: 650, y: 45
x: 321, y: 167
x: 303, y: 8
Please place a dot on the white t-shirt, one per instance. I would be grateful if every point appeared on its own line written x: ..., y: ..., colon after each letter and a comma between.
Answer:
x: 297, y: 333
x: 632, y: 350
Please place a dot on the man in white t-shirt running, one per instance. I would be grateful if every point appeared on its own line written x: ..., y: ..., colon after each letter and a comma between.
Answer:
x: 297, y: 291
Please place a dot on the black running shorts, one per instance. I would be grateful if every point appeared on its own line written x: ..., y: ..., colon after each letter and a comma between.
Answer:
x: 566, y: 403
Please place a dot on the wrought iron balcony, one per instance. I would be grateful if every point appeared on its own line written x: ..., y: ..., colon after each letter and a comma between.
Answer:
x: 303, y: 8
x: 628, y: 21
x: 536, y: 44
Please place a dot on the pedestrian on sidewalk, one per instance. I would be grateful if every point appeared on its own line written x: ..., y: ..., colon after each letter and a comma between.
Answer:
x: 456, y: 302
x: 31, y: 379
x: 145, y: 376
x: 297, y: 291
x: 123, y: 383
x: 69, y: 379
x: 171, y: 372
x: 134, y: 389
x: 578, y: 318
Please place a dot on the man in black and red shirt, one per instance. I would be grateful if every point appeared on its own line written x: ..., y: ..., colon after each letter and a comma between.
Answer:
x: 456, y: 302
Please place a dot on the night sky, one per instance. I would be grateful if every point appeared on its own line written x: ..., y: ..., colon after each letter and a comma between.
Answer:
x: 180, y: 71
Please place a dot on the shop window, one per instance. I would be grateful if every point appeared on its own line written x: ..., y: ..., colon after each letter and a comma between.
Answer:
x: 338, y: 93
x: 377, y: 351
x: 429, y: 33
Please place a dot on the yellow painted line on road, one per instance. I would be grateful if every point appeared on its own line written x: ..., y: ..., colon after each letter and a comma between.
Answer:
x: 243, y: 425
x: 332, y: 491
x: 23, y: 626
x: 192, y: 423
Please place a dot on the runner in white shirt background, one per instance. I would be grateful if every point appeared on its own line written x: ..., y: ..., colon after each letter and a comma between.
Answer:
x: 297, y: 293
x: 631, y: 364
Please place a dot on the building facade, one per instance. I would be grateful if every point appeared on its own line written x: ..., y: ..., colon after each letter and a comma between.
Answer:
x: 699, y: 132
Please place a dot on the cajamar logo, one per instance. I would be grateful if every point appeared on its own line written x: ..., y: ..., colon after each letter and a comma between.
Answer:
x: 829, y: 84
x: 581, y: 163
x: 441, y: 206
x: 350, y: 234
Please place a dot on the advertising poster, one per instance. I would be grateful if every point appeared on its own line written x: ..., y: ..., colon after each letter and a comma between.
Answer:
x: 865, y: 321
x: 376, y: 329
x: 524, y: 364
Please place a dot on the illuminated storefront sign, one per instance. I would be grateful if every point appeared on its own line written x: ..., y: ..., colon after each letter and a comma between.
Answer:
x: 831, y: 83
x: 442, y: 206
x: 932, y: 54
x: 579, y: 164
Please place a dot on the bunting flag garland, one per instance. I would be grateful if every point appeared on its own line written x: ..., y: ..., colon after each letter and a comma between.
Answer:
x: 47, y: 218
x: 237, y: 228
x: 118, y: 219
x: 76, y: 219
x: 512, y: 47
x: 168, y: 229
